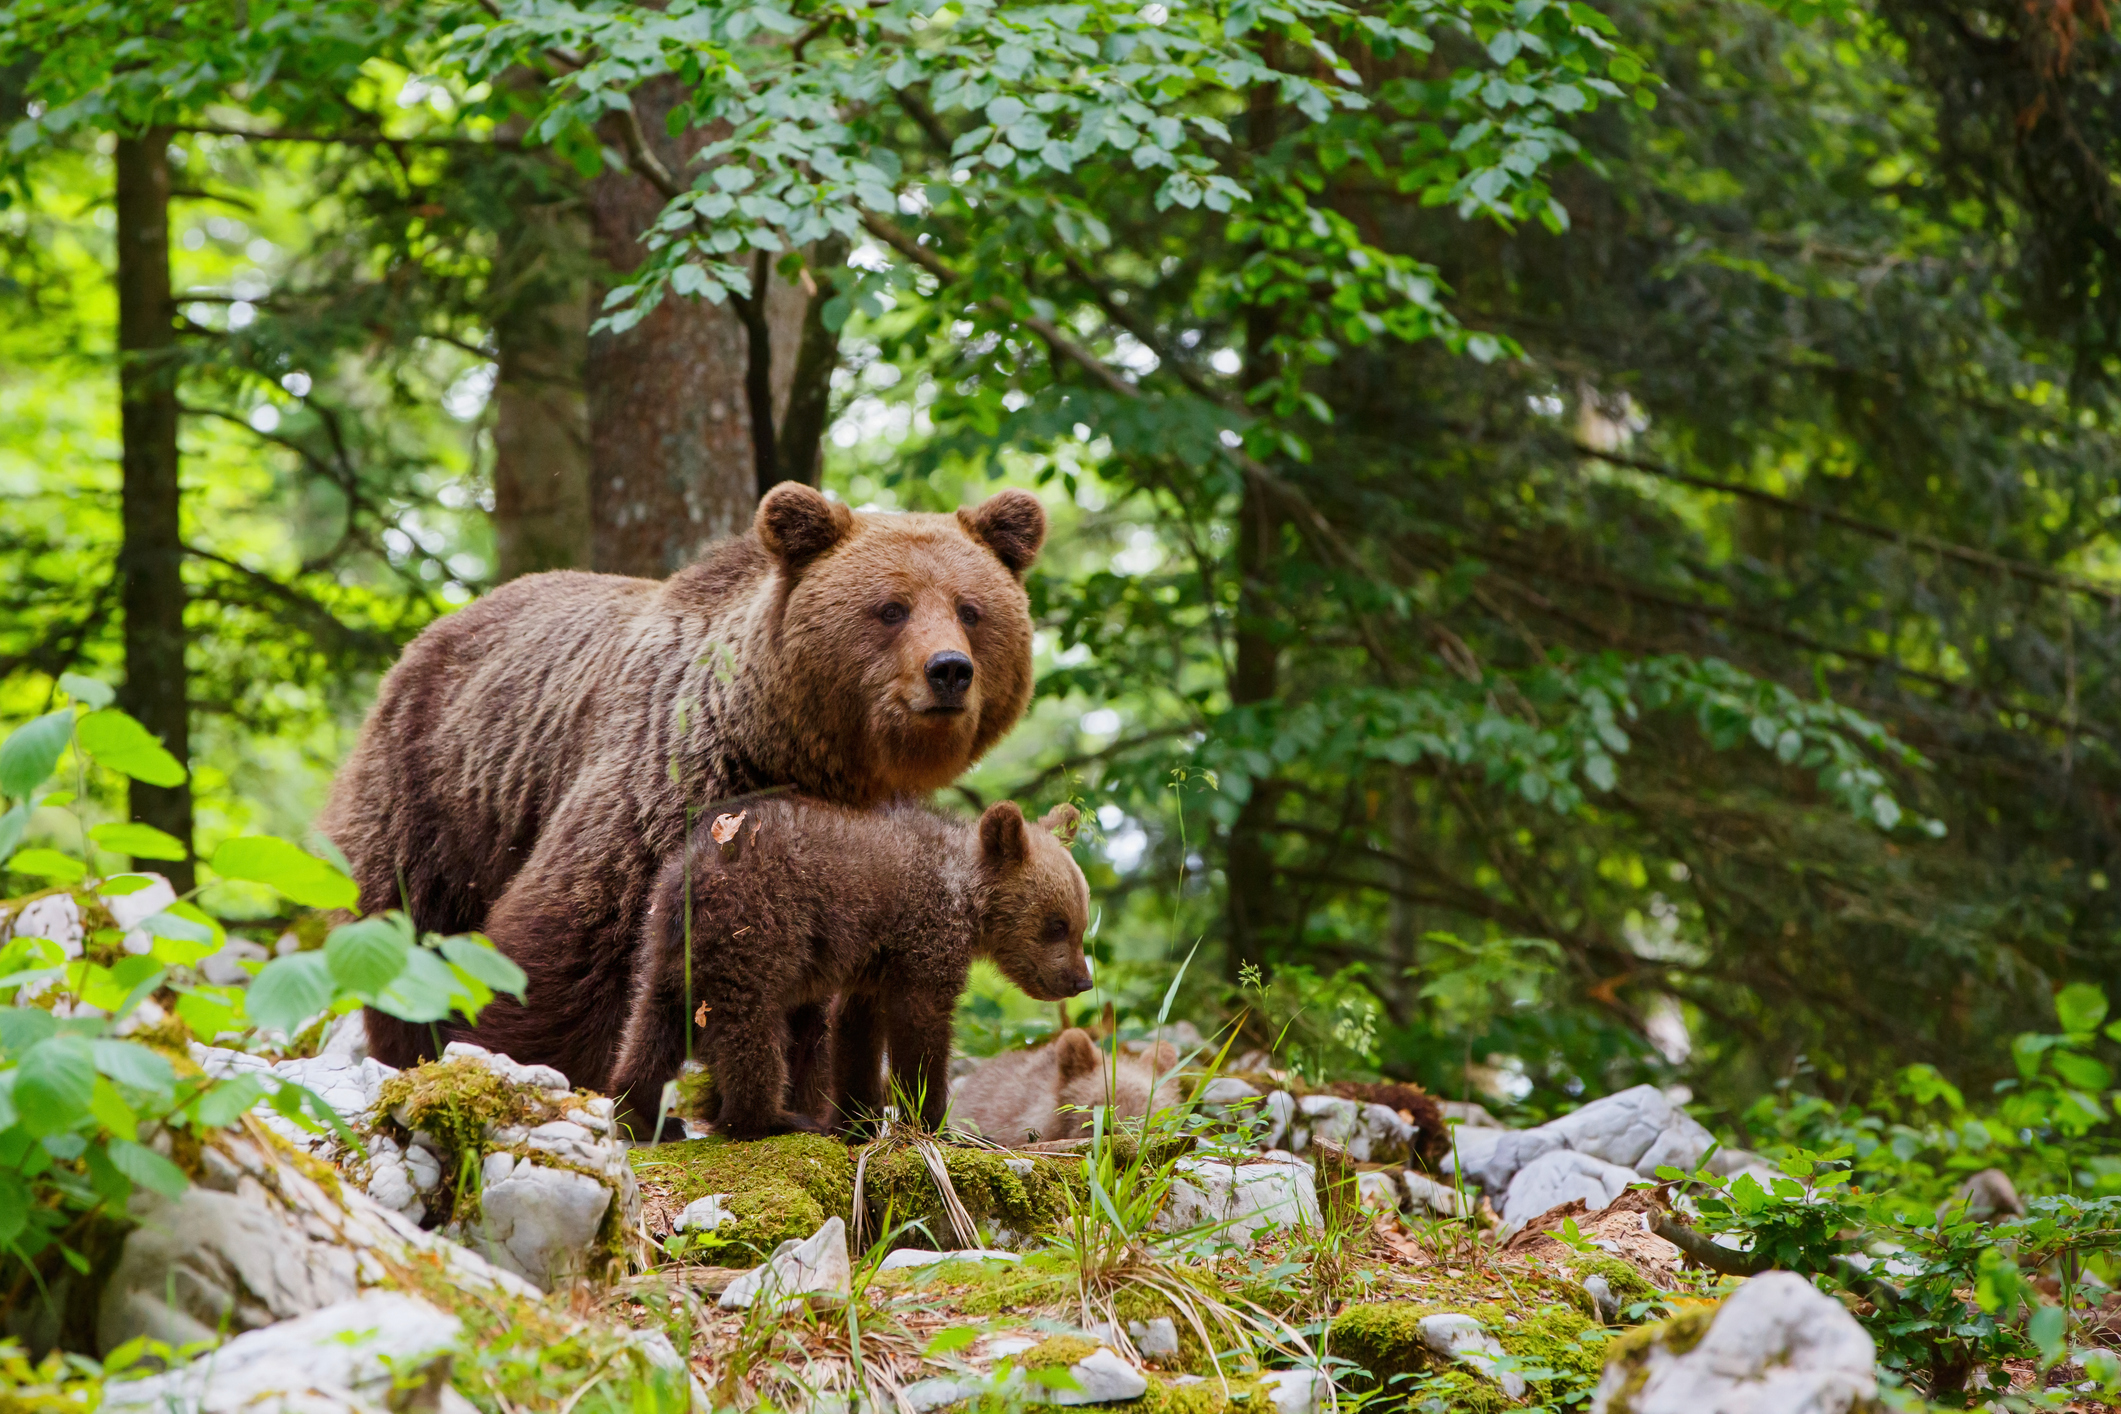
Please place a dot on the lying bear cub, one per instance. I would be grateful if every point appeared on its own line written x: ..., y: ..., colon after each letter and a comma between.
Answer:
x: 794, y: 901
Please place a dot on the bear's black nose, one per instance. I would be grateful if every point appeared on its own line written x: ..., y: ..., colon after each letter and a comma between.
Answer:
x: 950, y: 673
x: 1082, y: 983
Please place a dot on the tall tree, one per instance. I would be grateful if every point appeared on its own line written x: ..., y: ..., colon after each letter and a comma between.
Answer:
x: 151, y: 562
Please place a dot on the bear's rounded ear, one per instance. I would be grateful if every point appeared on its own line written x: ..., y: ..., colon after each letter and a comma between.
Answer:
x: 1062, y: 822
x: 1163, y: 1057
x: 796, y: 524
x: 1078, y: 1053
x: 1001, y: 834
x: 1010, y: 523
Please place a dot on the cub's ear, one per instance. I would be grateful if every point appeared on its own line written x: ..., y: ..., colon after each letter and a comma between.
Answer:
x: 1001, y: 834
x: 796, y: 524
x: 1163, y: 1056
x: 1010, y: 523
x: 1061, y: 822
x: 1077, y: 1052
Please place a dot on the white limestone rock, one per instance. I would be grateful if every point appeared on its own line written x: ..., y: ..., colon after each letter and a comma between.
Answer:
x: 1775, y: 1346
x: 1638, y: 1128
x: 1226, y: 1090
x: 1281, y: 1119
x: 817, y: 1264
x: 1298, y: 1391
x: 1513, y: 1151
x: 1240, y: 1199
x: 357, y: 1354
x: 1465, y: 1340
x: 1558, y: 1177
x: 1155, y: 1340
x: 702, y: 1214
x: 1471, y: 1148
x: 910, y: 1257
x: 537, y: 1077
x: 1426, y: 1196
x: 540, y: 1223
x: 1379, y: 1192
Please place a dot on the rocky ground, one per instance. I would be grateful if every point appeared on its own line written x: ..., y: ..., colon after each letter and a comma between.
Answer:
x: 479, y: 1235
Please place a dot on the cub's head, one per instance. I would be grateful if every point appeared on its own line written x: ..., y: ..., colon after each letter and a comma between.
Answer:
x: 1091, y: 1079
x: 905, y: 640
x: 1035, y: 903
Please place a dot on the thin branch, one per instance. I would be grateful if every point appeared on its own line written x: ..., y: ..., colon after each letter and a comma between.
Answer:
x: 1965, y: 554
x: 349, y: 138
x: 1123, y: 745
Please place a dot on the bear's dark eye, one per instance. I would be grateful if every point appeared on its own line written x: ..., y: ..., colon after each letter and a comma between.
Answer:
x: 892, y: 613
x: 1056, y: 929
x: 967, y: 615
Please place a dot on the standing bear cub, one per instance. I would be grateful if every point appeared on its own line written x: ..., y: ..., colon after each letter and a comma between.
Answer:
x: 778, y: 909
x: 535, y: 757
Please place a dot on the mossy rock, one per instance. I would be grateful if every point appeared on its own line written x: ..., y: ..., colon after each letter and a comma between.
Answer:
x: 778, y: 1188
x: 456, y: 1101
x: 1384, y: 1338
x: 1021, y: 1195
x: 1242, y: 1394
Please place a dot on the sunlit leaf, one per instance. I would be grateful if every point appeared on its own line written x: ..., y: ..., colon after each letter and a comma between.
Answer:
x: 289, y: 991
x: 115, y: 740
x: 31, y: 752
x: 302, y: 877
x: 48, y: 864
x: 139, y: 841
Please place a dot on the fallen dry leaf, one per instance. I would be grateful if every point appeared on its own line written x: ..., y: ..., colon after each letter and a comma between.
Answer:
x: 724, y: 827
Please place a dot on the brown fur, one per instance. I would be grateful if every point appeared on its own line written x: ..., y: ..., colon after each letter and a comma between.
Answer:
x: 885, y: 909
x: 1028, y: 1097
x: 531, y: 760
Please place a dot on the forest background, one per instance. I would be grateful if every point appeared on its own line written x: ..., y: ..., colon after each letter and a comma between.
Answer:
x: 1584, y: 538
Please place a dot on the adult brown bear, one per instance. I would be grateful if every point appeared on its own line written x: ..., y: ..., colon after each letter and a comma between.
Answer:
x: 533, y: 758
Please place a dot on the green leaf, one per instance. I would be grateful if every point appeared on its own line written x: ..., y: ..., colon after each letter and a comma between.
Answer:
x: 303, y: 878
x: 289, y: 991
x: 54, y: 1084
x: 367, y: 956
x: 2080, y: 1070
x: 12, y: 824
x: 424, y: 991
x: 478, y: 956
x: 134, y: 1066
x: 48, y: 864
x: 119, y: 885
x: 147, y: 1168
x: 138, y: 841
x: 226, y: 1103
x: 31, y: 752
x: 2080, y: 1007
x: 117, y: 741
x: 89, y: 692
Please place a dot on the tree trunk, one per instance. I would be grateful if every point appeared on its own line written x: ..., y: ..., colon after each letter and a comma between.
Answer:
x: 151, y: 561
x: 1249, y: 862
x: 672, y: 461
x: 541, y: 435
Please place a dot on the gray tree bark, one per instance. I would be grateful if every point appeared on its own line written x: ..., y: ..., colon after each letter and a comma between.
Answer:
x: 672, y: 463
x: 541, y: 427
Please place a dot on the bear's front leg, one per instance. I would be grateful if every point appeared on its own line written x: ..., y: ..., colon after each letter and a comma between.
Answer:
x: 747, y: 1055
x: 857, y: 1067
x: 920, y: 1032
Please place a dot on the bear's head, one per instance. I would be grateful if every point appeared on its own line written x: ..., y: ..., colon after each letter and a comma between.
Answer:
x: 1034, y: 903
x: 1091, y: 1079
x: 903, y: 641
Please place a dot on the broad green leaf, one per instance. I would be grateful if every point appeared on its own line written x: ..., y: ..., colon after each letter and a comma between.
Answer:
x: 303, y: 878
x: 478, y: 956
x: 12, y: 824
x: 31, y: 752
x: 23, y: 1027
x: 119, y: 885
x: 367, y: 956
x: 147, y: 1168
x: 117, y: 741
x: 134, y: 1066
x: 289, y: 991
x: 2080, y: 1070
x: 48, y: 864
x: 91, y: 693
x: 110, y: 1110
x: 15, y: 1203
x: 54, y: 1084
x: 226, y: 1102
x: 2080, y: 1007
x: 138, y: 841
x: 211, y: 1011
x: 424, y: 991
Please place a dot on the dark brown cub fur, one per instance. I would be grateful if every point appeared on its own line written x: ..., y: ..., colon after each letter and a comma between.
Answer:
x: 887, y: 909
x: 531, y: 759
